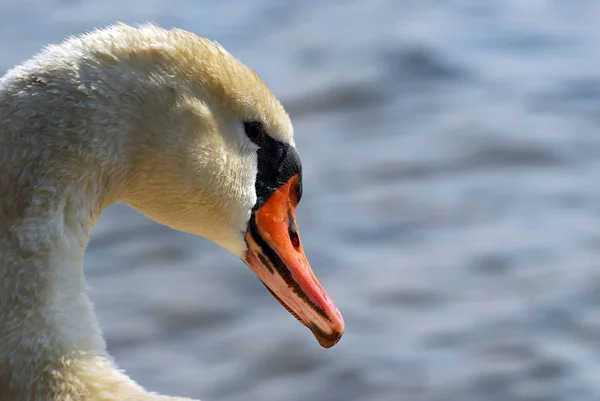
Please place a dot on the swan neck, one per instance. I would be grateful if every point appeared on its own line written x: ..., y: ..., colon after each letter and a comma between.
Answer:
x: 51, y: 344
x: 50, y: 336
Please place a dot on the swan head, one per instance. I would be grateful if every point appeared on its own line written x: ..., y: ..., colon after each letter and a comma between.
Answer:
x: 214, y: 156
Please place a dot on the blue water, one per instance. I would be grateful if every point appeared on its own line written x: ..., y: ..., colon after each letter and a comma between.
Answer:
x: 451, y: 208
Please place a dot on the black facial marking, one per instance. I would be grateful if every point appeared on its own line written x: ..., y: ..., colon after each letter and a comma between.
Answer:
x: 277, y: 163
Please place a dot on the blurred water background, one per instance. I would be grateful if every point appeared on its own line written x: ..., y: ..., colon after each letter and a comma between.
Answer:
x: 451, y: 209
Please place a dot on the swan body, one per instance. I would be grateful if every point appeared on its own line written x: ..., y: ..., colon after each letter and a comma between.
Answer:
x: 169, y: 123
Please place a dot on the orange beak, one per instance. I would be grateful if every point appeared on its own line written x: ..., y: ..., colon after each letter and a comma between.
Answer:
x: 276, y: 256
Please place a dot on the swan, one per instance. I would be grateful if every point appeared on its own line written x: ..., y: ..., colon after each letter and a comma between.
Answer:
x: 169, y: 123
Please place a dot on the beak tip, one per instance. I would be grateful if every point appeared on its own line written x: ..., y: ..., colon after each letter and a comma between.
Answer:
x: 327, y: 340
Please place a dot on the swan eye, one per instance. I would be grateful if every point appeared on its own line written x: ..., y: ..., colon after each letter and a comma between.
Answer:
x: 254, y: 131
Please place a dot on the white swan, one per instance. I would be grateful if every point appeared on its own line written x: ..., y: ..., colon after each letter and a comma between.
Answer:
x: 176, y: 127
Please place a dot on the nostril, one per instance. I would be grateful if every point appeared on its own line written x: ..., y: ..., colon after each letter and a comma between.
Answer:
x: 292, y: 231
x: 294, y: 238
